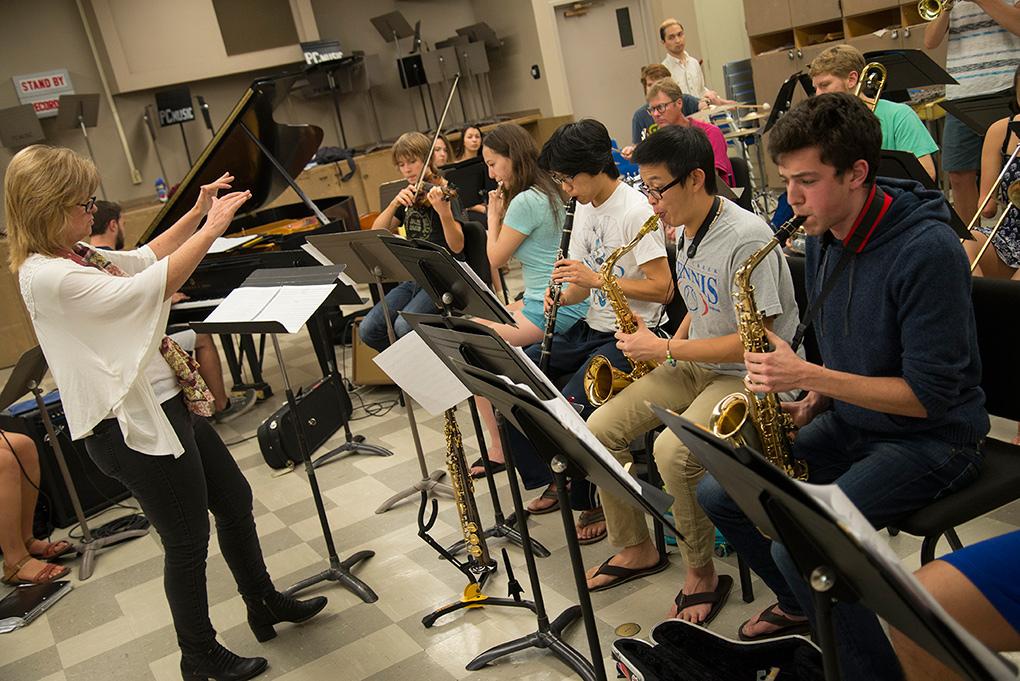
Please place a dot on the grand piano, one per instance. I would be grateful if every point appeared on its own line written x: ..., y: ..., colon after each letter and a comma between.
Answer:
x: 264, y: 156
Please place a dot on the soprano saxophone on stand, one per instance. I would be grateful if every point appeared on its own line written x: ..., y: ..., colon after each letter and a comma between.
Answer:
x: 555, y: 290
x: 750, y: 419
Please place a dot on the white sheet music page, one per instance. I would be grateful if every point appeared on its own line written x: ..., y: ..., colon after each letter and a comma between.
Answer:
x: 323, y: 260
x: 289, y: 305
x: 413, y: 366
x: 225, y: 243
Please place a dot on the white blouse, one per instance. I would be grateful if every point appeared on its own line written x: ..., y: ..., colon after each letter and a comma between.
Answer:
x: 101, y: 337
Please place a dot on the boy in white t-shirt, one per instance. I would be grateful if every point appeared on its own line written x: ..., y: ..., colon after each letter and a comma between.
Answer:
x: 609, y: 215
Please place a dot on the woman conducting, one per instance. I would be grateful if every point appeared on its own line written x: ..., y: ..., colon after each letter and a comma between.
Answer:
x: 135, y: 397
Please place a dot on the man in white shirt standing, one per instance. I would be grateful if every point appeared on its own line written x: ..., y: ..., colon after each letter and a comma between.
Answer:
x: 685, y: 69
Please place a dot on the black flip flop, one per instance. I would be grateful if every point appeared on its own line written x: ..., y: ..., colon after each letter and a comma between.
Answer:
x: 717, y: 599
x: 546, y: 494
x: 787, y: 626
x: 494, y: 466
x: 624, y: 575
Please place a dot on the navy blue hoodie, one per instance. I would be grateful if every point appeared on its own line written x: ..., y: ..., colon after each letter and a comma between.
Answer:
x: 903, y: 308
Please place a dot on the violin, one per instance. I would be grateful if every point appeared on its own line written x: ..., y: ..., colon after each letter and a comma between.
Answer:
x: 421, y: 197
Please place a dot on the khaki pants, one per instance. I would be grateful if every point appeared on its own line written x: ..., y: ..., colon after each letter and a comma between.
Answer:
x: 692, y: 391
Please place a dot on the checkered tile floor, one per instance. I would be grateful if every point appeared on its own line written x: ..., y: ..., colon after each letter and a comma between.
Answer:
x: 116, y: 625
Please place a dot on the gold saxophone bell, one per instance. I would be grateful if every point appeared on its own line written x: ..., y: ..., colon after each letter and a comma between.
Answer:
x: 930, y: 10
x: 870, y: 84
x: 602, y: 380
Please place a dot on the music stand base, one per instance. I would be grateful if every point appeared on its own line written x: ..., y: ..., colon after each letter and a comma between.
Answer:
x: 340, y: 572
x: 443, y: 610
x: 430, y: 484
x: 355, y: 446
x: 549, y: 638
x: 87, y: 549
x: 504, y: 530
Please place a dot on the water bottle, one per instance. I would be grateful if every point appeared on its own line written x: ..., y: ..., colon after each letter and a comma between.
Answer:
x: 161, y: 189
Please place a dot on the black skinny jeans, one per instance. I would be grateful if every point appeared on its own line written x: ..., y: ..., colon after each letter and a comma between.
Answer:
x: 177, y: 495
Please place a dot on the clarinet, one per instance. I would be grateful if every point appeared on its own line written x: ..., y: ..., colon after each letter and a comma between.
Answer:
x: 555, y: 289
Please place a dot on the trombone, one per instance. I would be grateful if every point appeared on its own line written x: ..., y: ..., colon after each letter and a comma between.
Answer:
x: 870, y: 83
x: 1012, y: 201
x: 930, y: 10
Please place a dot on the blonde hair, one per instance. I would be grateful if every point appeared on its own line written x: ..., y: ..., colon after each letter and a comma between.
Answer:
x: 414, y: 146
x: 666, y: 86
x: 839, y: 61
x: 42, y: 185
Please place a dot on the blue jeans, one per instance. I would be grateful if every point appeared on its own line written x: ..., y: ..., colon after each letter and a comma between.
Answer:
x: 406, y: 296
x: 568, y: 356
x: 177, y: 495
x: 887, y: 477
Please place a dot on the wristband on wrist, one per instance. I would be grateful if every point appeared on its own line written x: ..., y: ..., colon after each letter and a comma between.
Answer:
x: 669, y: 356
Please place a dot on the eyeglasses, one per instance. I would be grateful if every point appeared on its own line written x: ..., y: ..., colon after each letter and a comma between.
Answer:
x: 559, y: 178
x: 88, y: 205
x: 660, y: 108
x: 657, y: 193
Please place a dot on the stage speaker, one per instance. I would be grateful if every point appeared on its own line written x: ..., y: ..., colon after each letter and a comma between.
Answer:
x: 96, y: 490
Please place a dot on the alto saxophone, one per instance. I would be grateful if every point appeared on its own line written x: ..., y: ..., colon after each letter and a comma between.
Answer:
x: 464, y: 497
x: 601, y: 379
x: 749, y: 419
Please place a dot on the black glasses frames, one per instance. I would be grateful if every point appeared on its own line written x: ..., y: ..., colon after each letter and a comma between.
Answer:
x: 89, y: 204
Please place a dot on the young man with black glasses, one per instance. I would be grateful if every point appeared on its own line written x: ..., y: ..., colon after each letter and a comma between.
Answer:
x: 698, y: 365
x: 609, y: 215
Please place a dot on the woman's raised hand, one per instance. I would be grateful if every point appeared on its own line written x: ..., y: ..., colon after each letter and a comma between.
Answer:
x: 208, y: 192
x: 222, y: 211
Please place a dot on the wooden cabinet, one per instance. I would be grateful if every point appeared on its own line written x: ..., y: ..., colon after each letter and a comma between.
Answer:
x: 889, y: 40
x: 913, y: 39
x: 854, y: 7
x: 766, y: 16
x: 804, y: 12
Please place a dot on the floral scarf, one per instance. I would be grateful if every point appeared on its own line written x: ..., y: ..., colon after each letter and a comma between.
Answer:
x: 197, y: 395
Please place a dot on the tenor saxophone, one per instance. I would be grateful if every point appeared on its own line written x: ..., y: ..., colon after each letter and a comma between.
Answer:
x: 750, y: 419
x: 601, y: 379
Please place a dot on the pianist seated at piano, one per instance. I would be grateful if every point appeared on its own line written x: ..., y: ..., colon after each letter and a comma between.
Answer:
x: 108, y: 235
x: 429, y: 215
x: 134, y: 397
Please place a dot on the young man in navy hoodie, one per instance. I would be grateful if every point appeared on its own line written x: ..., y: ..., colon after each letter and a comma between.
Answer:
x: 894, y: 415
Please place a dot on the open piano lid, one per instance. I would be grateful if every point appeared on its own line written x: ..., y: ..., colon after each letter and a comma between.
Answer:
x: 231, y: 149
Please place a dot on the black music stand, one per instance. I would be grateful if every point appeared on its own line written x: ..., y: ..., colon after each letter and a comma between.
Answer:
x: 980, y: 111
x: 474, y: 62
x: 81, y: 111
x: 471, y: 180
x: 19, y: 127
x: 25, y: 377
x: 836, y: 554
x: 338, y: 571
x: 392, y: 26
x: 147, y: 117
x: 905, y: 166
x: 569, y: 456
x: 441, y: 66
x: 784, y: 99
x: 482, y: 35
x: 368, y: 261
x: 456, y: 339
x: 907, y: 69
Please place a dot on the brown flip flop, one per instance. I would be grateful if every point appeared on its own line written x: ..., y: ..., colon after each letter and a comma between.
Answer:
x: 547, y: 494
x: 716, y: 598
x: 624, y: 575
x: 787, y: 626
x: 591, y: 517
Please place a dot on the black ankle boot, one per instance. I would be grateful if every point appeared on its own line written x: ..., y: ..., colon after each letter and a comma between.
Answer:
x: 220, y: 664
x: 264, y: 612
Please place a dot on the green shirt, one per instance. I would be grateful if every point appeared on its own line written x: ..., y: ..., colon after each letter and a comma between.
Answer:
x: 902, y: 130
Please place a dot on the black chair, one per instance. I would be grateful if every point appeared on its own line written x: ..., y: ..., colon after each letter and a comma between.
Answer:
x: 475, y: 253
x: 999, y: 481
x: 742, y: 179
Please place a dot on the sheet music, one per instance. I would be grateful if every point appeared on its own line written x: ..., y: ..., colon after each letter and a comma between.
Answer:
x: 414, y: 366
x: 482, y: 286
x: 289, y: 305
x: 323, y: 260
x: 225, y: 243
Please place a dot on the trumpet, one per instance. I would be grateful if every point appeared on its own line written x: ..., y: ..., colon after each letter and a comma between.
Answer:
x: 930, y: 10
x: 870, y: 84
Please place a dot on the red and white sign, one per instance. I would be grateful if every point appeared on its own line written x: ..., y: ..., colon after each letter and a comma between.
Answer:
x: 43, y: 90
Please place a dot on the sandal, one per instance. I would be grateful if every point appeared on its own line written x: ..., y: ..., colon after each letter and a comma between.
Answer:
x: 494, y: 466
x: 716, y: 598
x: 624, y: 574
x: 549, y: 493
x: 47, y: 574
x: 787, y: 626
x: 54, y: 549
x: 588, y: 518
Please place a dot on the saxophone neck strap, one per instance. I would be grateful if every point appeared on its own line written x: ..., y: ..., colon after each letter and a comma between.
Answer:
x: 875, y: 208
x: 710, y: 217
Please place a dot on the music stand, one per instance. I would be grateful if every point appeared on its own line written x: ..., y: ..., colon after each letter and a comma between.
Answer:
x: 474, y: 62
x: 338, y: 571
x: 19, y: 127
x: 392, y: 26
x: 471, y: 180
x: 907, y: 69
x: 81, y: 111
x: 904, y: 165
x: 836, y: 552
x: 569, y: 456
x: 456, y: 43
x: 368, y: 261
x: 440, y: 66
x: 25, y: 377
x: 980, y: 111
x: 366, y: 75
x: 147, y: 117
x: 784, y: 99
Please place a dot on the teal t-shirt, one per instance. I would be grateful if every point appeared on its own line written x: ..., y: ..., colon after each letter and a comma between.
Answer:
x: 902, y: 130
x: 530, y: 214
